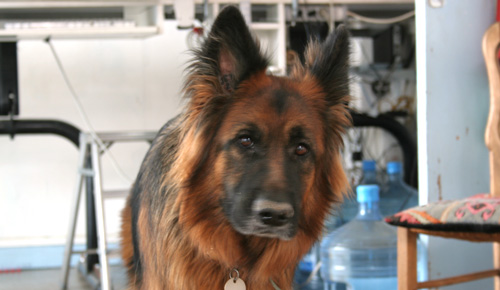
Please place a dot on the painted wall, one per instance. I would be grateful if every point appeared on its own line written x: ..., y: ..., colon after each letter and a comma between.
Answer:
x: 453, y: 100
x: 123, y: 85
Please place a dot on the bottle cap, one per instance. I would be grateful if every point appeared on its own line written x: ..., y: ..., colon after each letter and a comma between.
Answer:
x: 367, y: 193
x: 393, y: 167
x: 369, y: 165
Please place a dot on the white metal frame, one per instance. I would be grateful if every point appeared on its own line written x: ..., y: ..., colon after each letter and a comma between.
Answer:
x: 89, y: 147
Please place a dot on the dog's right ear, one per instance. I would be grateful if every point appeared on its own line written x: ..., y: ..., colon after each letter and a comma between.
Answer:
x: 229, y: 54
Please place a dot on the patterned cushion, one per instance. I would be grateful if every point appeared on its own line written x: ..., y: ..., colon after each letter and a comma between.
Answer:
x: 478, y: 213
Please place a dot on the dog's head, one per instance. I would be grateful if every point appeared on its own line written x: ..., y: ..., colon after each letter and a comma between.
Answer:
x: 263, y: 150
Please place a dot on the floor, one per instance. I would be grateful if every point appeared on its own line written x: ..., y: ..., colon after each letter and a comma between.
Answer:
x: 50, y: 279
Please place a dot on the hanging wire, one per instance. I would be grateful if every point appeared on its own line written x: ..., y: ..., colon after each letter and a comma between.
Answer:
x: 79, y: 106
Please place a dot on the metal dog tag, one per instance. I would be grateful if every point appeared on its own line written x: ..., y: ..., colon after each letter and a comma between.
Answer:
x: 233, y: 284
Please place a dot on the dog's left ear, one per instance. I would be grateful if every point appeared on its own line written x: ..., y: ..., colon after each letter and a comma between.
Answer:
x: 230, y: 50
x: 329, y: 63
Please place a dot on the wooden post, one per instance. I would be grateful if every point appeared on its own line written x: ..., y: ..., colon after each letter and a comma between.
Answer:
x: 496, y: 263
x: 491, y: 40
x: 407, y: 259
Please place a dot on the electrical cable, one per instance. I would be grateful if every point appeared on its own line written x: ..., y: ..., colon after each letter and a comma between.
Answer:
x: 380, y: 20
x: 85, y: 118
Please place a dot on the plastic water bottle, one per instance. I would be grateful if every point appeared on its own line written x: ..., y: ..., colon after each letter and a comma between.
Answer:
x: 361, y: 254
x: 369, y: 173
x: 396, y: 195
x: 349, y: 208
x: 307, y: 275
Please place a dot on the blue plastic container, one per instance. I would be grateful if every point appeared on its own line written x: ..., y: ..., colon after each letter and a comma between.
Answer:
x: 396, y: 195
x: 369, y: 173
x: 361, y: 254
x: 307, y: 275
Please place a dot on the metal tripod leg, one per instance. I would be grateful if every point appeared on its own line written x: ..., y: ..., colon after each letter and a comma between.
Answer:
x: 74, y: 213
x: 90, y: 171
x: 101, y: 226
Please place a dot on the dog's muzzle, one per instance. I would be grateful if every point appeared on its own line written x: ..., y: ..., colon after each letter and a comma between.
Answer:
x: 272, y: 219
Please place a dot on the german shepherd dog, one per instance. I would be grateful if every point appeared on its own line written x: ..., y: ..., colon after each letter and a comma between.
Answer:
x: 236, y: 188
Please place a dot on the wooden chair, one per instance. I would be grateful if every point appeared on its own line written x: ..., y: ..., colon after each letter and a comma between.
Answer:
x: 407, y: 250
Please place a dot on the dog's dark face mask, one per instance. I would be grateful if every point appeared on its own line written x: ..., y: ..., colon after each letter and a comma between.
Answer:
x: 269, y: 153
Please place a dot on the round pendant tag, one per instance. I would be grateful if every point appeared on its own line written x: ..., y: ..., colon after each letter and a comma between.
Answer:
x: 232, y: 285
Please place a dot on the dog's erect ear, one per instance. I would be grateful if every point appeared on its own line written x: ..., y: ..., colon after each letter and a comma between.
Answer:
x: 230, y: 51
x: 329, y: 63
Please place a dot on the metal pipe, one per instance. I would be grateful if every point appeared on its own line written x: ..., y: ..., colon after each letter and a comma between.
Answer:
x: 295, y: 11
x: 406, y: 142
x: 15, y: 127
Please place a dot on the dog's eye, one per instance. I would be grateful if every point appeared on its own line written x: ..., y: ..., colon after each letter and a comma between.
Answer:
x: 245, y: 141
x: 301, y: 150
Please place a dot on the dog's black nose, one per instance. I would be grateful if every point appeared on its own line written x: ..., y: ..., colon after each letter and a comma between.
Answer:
x: 275, y: 218
x: 273, y: 213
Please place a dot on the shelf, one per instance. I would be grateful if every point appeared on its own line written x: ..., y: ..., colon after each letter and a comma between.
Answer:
x: 76, y: 3
x: 288, y: 2
x: 264, y: 26
x: 88, y: 33
x: 79, y: 19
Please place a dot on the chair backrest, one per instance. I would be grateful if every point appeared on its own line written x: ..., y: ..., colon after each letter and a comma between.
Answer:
x: 491, y: 44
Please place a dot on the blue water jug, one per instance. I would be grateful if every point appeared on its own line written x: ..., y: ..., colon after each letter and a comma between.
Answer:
x: 361, y: 254
x: 396, y: 195
x: 307, y: 273
x: 369, y: 173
